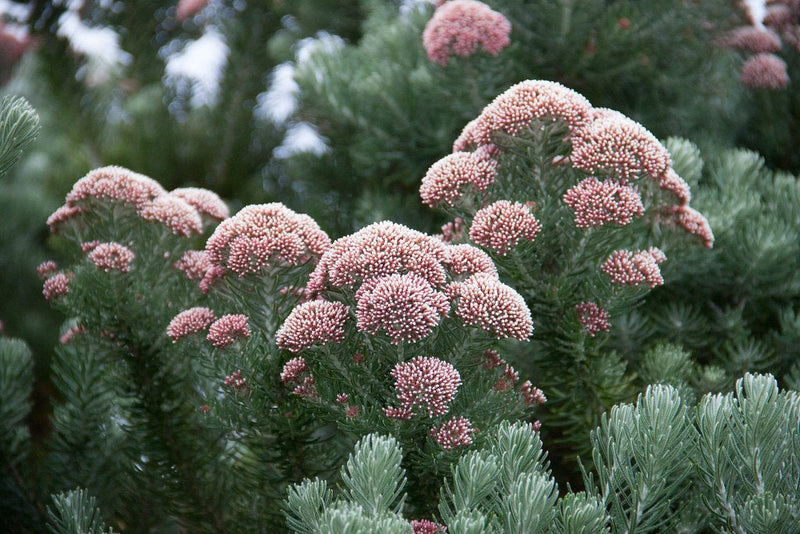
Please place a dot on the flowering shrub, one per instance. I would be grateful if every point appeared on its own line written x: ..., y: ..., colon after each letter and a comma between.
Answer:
x: 574, y: 202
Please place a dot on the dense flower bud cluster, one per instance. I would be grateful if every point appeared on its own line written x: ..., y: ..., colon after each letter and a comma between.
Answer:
x: 513, y: 111
x: 765, y: 71
x: 112, y: 257
x: 694, y: 223
x: 751, y: 39
x: 593, y: 318
x: 501, y: 226
x: 404, y: 306
x: 47, y: 269
x: 56, y: 286
x: 377, y: 250
x: 428, y: 383
x: 206, y: 202
x: 180, y: 210
x: 633, y: 268
x: 296, y: 374
x: 194, y: 263
x: 425, y: 526
x: 467, y: 260
x: 228, y: 329
x: 596, y: 203
x: 450, y: 177
x: 613, y: 142
x: 263, y: 234
x: 175, y: 213
x: 190, y: 321
x: 457, y: 432
x: 483, y: 301
x: 460, y: 26
x: 312, y: 323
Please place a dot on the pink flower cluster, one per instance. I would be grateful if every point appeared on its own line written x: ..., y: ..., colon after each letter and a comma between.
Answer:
x: 149, y: 200
x: 47, y: 269
x: 312, y: 323
x: 112, y: 257
x: 532, y: 395
x: 596, y: 203
x: 425, y: 526
x: 593, y: 317
x: 265, y: 234
x: 73, y: 331
x: 402, y: 282
x: 751, y: 39
x: 460, y: 26
x: 195, y: 264
x: 238, y: 383
x: 613, y: 142
x: 693, y: 222
x: 514, y: 110
x: 296, y: 373
x: 226, y: 330
x: 424, y: 382
x: 204, y: 201
x: 502, y: 225
x: 633, y: 268
x: 457, y: 432
x: 405, y: 306
x: 378, y: 250
x: 466, y: 260
x: 450, y: 177
x: 483, y: 301
x: 765, y: 71
x: 56, y: 286
x: 190, y: 321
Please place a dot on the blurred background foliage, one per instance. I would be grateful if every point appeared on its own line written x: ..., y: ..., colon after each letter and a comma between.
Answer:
x: 333, y: 108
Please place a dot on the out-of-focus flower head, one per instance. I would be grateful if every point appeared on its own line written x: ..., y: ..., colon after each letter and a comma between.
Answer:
x: 460, y: 26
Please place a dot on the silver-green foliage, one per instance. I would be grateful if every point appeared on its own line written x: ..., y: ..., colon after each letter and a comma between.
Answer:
x: 16, y: 384
x: 749, y: 456
x: 19, y: 126
x: 731, y: 464
x: 76, y: 512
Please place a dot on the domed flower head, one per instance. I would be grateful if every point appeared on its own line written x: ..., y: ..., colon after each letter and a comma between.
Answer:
x: 47, y: 269
x: 296, y: 373
x: 265, y: 234
x: 593, y: 318
x: 293, y: 370
x: 228, y: 329
x: 465, y: 260
x: 206, y: 202
x: 64, y: 215
x: 425, y: 526
x: 457, y: 432
x: 694, y: 223
x: 174, y: 213
x: 765, y: 71
x: 633, y: 268
x: 405, y: 306
x: 613, y: 142
x: 671, y: 182
x: 449, y: 178
x: 315, y: 322
x: 428, y: 383
x: 483, y: 301
x: 596, y: 203
x: 751, y: 39
x: 519, y: 105
x: 194, y: 263
x: 378, y: 250
x: 115, y: 184
x: 112, y: 257
x: 501, y: 226
x: 460, y: 26
x: 56, y: 286
x: 190, y: 321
